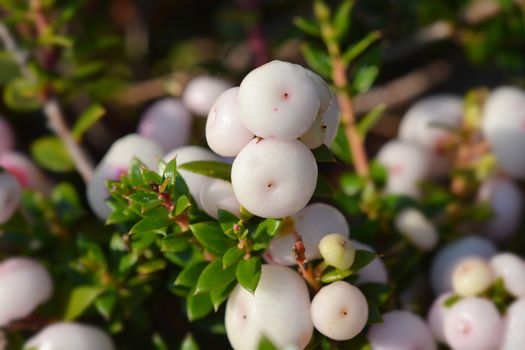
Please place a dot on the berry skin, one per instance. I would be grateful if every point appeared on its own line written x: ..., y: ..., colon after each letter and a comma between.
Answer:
x: 472, y: 276
x: 407, y: 164
x: 451, y: 255
x: 278, y: 100
x: 507, y: 203
x: 225, y: 132
x: 218, y: 194
x: 337, y: 251
x: 426, y: 124
x: 514, y: 337
x: 201, y: 92
x: 417, y: 229
x: 375, y: 271
x: 503, y: 125
x: 511, y: 268
x: 274, y: 179
x: 189, y: 154
x: 28, y: 174
x: 7, y: 137
x: 325, y: 95
x: 10, y: 194
x: 331, y: 118
x: 316, y: 135
x: 24, y: 284
x: 436, y: 317
x: 115, y: 163
x: 339, y: 311
x: 401, y: 330
x: 312, y: 223
x: 279, y: 309
x: 70, y: 336
x: 166, y: 122
x: 473, y: 323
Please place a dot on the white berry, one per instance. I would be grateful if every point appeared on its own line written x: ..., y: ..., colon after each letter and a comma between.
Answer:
x: 451, y: 255
x: 225, y: 132
x: 166, y: 122
x: 507, y: 203
x: 337, y: 251
x: 331, y: 118
x: 511, y: 268
x: 201, y: 92
x: 436, y: 317
x: 28, y: 174
x: 375, y: 271
x: 316, y: 135
x: 472, y: 276
x: 70, y: 336
x: 218, y: 194
x: 473, y: 323
x: 187, y: 154
x: 417, y: 229
x: 278, y: 100
x: 273, y: 178
x: 401, y: 330
x: 514, y: 337
x: 279, y: 309
x: 428, y: 122
x: 312, y: 223
x: 504, y: 127
x: 339, y: 311
x: 325, y: 95
x: 407, y: 165
x: 24, y: 284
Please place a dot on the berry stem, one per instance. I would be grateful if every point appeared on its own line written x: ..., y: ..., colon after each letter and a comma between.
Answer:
x: 339, y: 72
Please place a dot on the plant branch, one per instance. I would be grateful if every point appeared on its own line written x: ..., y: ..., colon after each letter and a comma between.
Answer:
x: 339, y: 72
x: 51, y: 108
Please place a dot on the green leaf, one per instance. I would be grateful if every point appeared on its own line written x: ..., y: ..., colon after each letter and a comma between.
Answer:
x: 189, y: 343
x: 152, y: 266
x: 211, y: 236
x: 266, y: 344
x: 175, y: 243
x: 362, y: 258
x: 214, y: 276
x: 148, y: 224
x: 378, y: 172
x: 450, y: 301
x: 340, y: 147
x: 105, y: 304
x: 308, y: 26
x: 183, y: 203
x: 219, y: 295
x: 368, y: 122
x: 86, y: 120
x: 50, y: 153
x: 189, y: 276
x: 377, y: 293
x: 22, y: 95
x: 8, y: 68
x: 198, y: 305
x: 323, y: 188
x: 249, y: 273
x: 351, y: 183
x: 317, y: 59
x: 358, y: 48
x: 209, y: 168
x: 264, y: 232
x: 342, y: 19
x: 333, y: 275
x: 322, y: 154
x: 80, y: 299
x: 364, y: 78
x: 158, y: 342
x: 232, y: 257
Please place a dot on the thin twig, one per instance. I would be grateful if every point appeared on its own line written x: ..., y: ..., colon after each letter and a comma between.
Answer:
x: 51, y: 108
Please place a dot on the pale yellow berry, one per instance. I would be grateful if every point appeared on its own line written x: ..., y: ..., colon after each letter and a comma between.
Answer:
x: 337, y: 251
x: 472, y: 276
